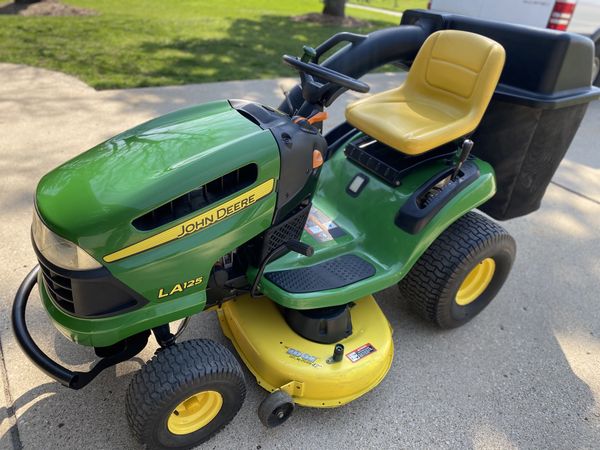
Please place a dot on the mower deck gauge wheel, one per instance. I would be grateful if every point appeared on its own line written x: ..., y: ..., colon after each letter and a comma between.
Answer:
x: 276, y: 409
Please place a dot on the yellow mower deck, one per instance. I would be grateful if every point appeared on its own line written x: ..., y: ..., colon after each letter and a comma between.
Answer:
x: 281, y: 359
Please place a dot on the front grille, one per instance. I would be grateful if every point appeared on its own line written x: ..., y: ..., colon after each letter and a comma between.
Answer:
x: 88, y: 293
x: 59, y: 288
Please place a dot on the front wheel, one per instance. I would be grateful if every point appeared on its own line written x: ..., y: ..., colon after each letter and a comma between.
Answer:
x: 184, y: 395
x: 461, y: 271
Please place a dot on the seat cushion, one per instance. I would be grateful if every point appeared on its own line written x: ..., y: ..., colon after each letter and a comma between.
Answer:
x: 443, y: 98
x: 412, y: 127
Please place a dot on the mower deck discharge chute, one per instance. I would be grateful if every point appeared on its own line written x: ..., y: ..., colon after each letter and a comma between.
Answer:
x: 251, y: 211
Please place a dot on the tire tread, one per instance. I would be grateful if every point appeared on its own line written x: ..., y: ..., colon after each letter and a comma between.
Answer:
x: 153, y: 385
x: 427, y: 284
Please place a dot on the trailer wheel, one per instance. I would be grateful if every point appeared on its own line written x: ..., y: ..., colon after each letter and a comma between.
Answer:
x: 461, y: 271
x: 184, y: 395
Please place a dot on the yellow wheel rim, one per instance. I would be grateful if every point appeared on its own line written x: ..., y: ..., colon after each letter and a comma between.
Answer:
x: 195, y: 412
x: 476, y: 282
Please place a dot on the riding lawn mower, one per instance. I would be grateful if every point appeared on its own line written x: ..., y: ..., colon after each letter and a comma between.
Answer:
x: 286, y: 232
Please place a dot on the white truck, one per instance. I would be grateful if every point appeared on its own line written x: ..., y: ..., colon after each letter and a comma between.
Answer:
x: 578, y: 16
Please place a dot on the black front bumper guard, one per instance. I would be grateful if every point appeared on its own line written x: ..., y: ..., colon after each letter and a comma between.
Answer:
x: 72, y: 379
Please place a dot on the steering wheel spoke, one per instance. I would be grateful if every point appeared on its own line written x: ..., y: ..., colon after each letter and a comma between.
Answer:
x: 309, y: 71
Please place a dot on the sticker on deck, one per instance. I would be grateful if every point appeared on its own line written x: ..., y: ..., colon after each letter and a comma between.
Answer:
x: 302, y: 357
x: 321, y: 227
x: 361, y: 352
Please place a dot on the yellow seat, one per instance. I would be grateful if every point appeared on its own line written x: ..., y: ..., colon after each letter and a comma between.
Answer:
x: 443, y: 98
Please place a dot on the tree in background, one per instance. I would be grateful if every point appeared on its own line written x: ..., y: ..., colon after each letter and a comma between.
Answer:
x: 334, y: 7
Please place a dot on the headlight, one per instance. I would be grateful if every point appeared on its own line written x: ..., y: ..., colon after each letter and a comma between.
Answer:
x: 59, y: 251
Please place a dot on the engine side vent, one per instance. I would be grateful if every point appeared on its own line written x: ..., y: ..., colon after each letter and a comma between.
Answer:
x: 198, y: 198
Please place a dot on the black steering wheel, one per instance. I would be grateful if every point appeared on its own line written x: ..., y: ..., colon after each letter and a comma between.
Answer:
x: 324, y: 73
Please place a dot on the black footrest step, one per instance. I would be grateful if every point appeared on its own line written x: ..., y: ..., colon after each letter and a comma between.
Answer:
x: 331, y: 274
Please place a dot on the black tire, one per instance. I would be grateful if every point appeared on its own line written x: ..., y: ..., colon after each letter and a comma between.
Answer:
x: 432, y: 284
x: 174, y: 375
x: 275, y: 409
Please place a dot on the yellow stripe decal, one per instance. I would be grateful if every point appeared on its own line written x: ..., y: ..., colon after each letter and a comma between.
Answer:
x: 198, y: 223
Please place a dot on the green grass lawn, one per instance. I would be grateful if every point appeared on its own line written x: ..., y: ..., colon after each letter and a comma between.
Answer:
x: 396, y: 5
x: 135, y: 43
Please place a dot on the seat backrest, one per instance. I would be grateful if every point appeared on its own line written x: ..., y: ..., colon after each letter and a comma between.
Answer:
x: 457, y: 71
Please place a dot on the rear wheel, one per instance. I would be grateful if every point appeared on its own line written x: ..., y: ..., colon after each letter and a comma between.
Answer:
x: 184, y: 395
x: 461, y: 271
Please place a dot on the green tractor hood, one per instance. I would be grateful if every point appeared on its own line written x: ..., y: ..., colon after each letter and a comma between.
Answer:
x: 92, y: 199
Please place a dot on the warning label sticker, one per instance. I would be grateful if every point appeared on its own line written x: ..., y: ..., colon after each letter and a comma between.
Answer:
x: 321, y: 227
x: 361, y: 352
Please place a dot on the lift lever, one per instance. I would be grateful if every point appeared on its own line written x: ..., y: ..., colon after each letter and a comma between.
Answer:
x: 465, y: 150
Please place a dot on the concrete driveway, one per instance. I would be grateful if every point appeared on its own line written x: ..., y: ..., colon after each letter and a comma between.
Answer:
x: 526, y: 373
